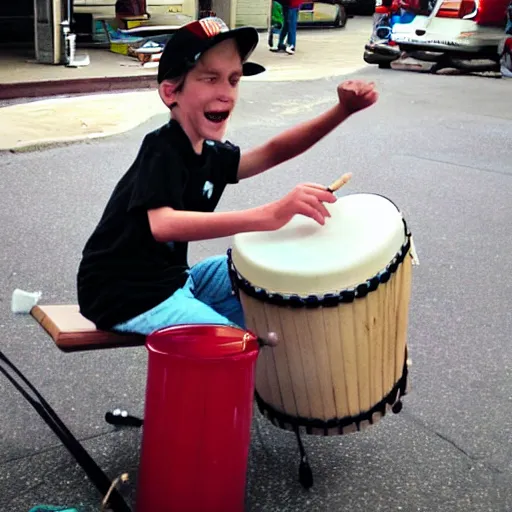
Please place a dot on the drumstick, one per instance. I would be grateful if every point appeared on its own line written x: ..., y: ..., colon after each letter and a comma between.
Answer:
x: 339, y: 182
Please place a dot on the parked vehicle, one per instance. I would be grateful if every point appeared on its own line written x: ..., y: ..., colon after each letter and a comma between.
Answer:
x: 328, y: 12
x: 322, y: 13
x: 451, y: 33
x: 325, y: 13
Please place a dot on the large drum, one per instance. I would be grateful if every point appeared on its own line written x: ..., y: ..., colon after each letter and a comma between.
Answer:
x: 337, y: 296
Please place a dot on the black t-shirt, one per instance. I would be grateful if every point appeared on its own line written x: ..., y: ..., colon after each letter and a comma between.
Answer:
x: 124, y: 271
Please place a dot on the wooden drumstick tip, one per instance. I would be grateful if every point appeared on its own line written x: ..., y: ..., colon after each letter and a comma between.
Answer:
x: 343, y: 180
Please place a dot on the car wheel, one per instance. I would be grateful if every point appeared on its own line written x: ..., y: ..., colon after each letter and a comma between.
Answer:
x: 341, y: 18
x: 362, y: 8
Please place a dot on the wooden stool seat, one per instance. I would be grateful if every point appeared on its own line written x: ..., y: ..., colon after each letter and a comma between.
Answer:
x: 72, y: 332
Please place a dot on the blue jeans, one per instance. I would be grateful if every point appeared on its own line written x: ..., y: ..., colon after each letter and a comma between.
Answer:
x: 289, y: 28
x: 206, y: 298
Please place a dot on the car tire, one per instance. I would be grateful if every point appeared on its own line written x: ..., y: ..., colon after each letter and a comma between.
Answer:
x: 341, y: 19
x: 362, y: 8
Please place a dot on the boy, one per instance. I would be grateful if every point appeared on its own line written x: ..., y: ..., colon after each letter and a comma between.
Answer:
x: 134, y: 275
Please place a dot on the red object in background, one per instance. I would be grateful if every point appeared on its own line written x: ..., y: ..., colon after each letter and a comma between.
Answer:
x: 197, y: 419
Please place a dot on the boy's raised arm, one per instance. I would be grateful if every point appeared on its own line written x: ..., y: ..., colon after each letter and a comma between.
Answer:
x: 353, y: 96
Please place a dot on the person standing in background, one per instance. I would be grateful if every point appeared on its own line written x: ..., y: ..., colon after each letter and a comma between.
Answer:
x: 289, y: 28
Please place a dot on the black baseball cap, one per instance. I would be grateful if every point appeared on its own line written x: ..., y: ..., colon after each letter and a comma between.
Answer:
x: 190, y: 41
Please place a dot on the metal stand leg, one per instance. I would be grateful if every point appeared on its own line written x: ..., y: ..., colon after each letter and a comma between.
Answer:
x: 50, y: 417
x: 305, y: 473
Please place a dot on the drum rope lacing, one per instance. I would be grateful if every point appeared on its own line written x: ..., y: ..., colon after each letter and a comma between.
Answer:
x: 327, y: 300
x: 392, y: 399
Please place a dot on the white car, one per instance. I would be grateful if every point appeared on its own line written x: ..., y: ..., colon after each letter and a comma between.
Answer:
x: 448, y: 32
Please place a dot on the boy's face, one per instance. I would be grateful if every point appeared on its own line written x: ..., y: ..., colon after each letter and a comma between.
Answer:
x: 209, y: 94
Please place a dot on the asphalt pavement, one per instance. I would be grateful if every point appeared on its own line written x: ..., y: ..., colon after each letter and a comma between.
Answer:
x: 439, y: 147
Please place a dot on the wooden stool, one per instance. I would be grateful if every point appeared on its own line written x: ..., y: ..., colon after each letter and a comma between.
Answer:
x: 72, y: 332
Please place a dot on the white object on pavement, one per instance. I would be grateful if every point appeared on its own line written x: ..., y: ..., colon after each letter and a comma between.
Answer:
x: 23, y: 302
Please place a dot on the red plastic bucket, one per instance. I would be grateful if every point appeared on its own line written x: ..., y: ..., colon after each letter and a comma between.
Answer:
x: 197, y: 419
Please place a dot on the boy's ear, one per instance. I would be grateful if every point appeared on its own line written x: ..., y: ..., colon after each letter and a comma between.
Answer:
x: 168, y: 91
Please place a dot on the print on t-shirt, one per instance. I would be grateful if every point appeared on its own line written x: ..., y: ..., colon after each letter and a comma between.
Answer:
x: 208, y: 189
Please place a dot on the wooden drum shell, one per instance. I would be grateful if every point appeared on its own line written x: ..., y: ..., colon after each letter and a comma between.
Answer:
x: 333, y: 365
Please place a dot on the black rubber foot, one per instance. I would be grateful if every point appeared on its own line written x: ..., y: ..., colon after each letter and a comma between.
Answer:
x: 305, y: 474
x: 397, y: 407
x: 122, y: 419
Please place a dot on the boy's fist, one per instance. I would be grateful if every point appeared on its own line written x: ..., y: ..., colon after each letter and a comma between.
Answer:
x: 356, y: 95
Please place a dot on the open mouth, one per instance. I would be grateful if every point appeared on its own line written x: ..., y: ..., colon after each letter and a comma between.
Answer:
x: 217, y: 117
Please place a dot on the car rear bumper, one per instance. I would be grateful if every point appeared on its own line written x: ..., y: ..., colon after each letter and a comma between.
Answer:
x: 375, y: 53
x: 446, y: 35
x: 454, y: 50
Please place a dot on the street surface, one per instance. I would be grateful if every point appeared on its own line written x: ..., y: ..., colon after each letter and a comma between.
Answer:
x: 439, y: 147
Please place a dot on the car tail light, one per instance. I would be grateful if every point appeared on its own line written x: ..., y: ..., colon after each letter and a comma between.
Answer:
x: 460, y: 9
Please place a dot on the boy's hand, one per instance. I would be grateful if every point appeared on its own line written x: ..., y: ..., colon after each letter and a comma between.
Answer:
x: 306, y: 199
x: 355, y: 95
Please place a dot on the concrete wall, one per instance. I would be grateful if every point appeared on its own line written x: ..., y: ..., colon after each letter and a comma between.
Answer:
x: 252, y: 12
x: 189, y: 8
x: 234, y: 12
x: 163, y: 11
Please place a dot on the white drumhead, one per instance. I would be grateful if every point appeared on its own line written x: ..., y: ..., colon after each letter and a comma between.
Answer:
x: 360, y: 239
